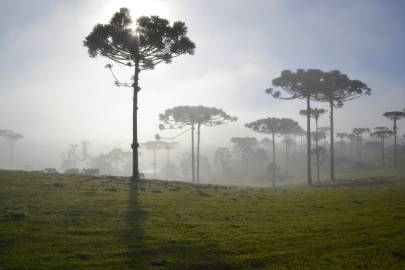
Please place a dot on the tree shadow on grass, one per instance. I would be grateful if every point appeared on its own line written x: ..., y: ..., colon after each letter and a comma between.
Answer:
x: 134, y: 235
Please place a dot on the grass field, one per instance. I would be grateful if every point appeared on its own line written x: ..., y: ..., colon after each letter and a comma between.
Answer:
x: 78, y: 222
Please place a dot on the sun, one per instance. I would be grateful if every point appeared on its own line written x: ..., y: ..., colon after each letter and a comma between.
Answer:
x: 137, y: 8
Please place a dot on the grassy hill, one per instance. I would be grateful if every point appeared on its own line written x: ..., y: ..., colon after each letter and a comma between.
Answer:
x: 78, y: 222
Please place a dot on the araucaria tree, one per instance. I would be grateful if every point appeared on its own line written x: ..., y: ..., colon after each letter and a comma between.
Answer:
x: 315, y: 113
x: 336, y: 89
x: 273, y: 126
x: 395, y: 116
x: 153, y: 41
x: 302, y: 84
x: 154, y: 146
x: 222, y: 158
x: 196, y: 117
x: 382, y: 133
x: 245, y: 146
x: 342, y: 136
x: 358, y: 133
x: 12, y: 137
x: 287, y: 128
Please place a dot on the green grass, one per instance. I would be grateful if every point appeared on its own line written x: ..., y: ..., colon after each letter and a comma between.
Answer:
x: 67, y: 222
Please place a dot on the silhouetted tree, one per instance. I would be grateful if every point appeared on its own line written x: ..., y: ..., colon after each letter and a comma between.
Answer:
x: 245, y: 146
x: 358, y: 132
x: 196, y: 116
x: 395, y: 116
x: 153, y: 41
x: 302, y: 84
x: 382, y: 133
x: 337, y: 89
x: 11, y: 137
x: 271, y: 126
x: 315, y: 113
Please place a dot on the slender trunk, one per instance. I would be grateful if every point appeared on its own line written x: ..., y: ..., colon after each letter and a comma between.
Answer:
x: 395, y: 145
x: 382, y: 152
x: 309, y: 174
x: 167, y: 164
x: 286, y: 155
x: 274, y: 160
x: 317, y: 150
x: 192, y: 154
x: 295, y: 143
x: 135, y: 145
x: 198, y: 152
x: 332, y: 150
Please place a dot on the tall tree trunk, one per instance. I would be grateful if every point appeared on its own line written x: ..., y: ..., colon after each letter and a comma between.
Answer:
x: 395, y: 145
x: 332, y: 150
x: 198, y: 152
x: 317, y: 150
x: 274, y: 160
x: 192, y: 153
x: 309, y: 174
x: 135, y: 144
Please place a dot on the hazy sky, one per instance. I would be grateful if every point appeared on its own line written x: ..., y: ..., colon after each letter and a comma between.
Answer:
x: 55, y: 95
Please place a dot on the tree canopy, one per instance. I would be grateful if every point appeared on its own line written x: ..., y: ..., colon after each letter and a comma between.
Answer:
x: 152, y: 41
x: 181, y: 116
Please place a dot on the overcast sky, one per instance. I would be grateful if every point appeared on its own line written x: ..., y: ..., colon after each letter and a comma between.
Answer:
x: 55, y: 94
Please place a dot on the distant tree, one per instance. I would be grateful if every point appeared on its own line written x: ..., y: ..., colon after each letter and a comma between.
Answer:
x: 358, y: 132
x: 168, y: 146
x: 260, y: 154
x: 222, y: 158
x: 288, y: 127
x: 154, y: 146
x: 186, y: 165
x: 153, y: 41
x: 271, y: 126
x: 298, y: 132
x: 351, y: 138
x: 302, y: 84
x: 195, y: 116
x: 342, y: 136
x: 85, y: 151
x: 116, y: 156
x: 11, y: 137
x: 245, y: 146
x: 315, y: 113
x: 101, y: 162
x: 266, y: 143
x: 382, y: 133
x: 395, y: 116
x: 337, y: 89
